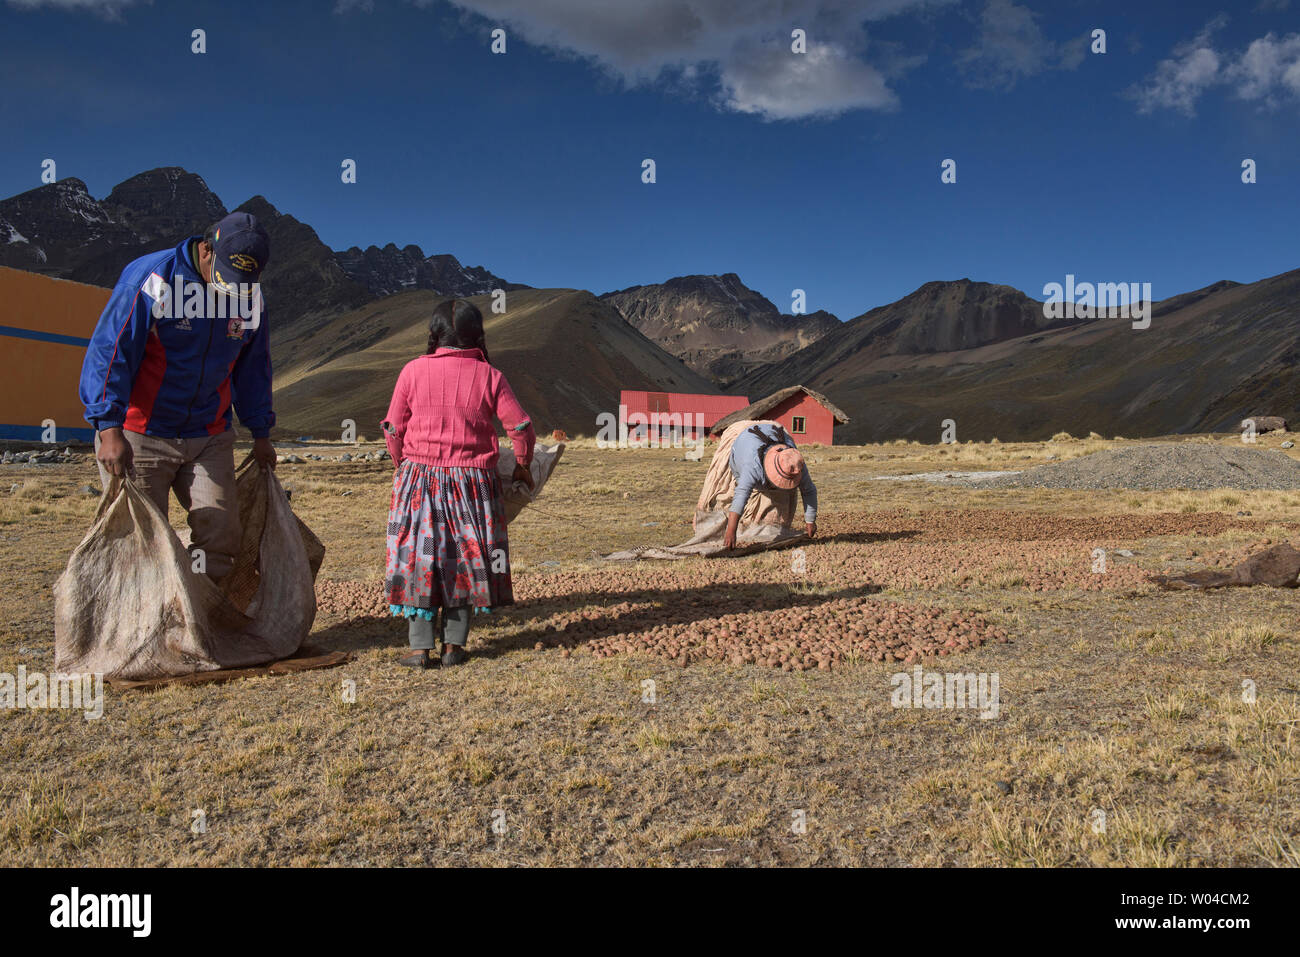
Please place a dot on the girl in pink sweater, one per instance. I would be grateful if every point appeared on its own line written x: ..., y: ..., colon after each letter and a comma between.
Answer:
x: 447, y: 545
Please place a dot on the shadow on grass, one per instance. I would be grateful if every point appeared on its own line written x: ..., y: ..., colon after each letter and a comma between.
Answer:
x: 867, y: 538
x: 519, y: 626
x: 653, y: 607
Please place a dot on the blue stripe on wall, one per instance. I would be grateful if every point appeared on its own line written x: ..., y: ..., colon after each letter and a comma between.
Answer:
x: 32, y: 433
x: 43, y: 336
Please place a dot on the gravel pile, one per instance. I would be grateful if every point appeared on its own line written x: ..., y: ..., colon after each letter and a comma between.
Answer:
x: 1150, y: 467
x: 295, y: 459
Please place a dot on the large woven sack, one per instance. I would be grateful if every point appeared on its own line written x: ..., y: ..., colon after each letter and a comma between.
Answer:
x: 129, y: 605
x: 517, y: 495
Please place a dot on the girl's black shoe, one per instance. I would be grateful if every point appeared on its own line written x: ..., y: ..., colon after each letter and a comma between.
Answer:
x: 419, y: 659
x: 454, y: 655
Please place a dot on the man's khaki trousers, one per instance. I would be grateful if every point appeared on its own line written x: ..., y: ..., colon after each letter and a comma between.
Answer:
x: 202, y: 473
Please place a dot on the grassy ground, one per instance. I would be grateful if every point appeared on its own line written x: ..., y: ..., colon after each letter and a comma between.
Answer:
x: 1115, y: 697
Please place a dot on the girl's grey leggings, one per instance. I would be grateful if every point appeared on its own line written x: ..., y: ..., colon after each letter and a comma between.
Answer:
x: 454, y: 629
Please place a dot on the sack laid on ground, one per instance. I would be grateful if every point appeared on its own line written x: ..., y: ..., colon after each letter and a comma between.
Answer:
x: 1278, y: 566
x: 517, y: 494
x: 765, y: 523
x: 129, y: 605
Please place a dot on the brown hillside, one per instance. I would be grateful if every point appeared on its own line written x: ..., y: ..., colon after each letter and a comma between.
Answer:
x: 565, y: 353
x: 1208, y: 359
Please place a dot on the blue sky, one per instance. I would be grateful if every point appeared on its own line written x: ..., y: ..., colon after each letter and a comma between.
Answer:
x: 818, y: 171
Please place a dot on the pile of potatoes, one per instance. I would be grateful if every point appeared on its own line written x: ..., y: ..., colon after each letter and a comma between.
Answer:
x: 770, y: 610
x: 353, y: 599
x: 961, y: 524
x: 799, y: 637
x: 1035, y: 566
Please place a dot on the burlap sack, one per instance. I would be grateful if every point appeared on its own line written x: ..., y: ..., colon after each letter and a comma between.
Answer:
x: 129, y: 605
x: 517, y: 495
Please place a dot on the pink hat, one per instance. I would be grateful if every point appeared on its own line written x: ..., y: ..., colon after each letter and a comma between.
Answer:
x: 783, y: 466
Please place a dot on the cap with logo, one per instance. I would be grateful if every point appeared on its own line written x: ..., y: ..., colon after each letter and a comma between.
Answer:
x: 241, y: 249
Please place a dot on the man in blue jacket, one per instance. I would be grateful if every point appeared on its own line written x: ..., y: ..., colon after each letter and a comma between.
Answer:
x: 182, y: 339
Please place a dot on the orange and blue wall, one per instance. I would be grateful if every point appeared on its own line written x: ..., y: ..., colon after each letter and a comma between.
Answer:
x: 45, y: 325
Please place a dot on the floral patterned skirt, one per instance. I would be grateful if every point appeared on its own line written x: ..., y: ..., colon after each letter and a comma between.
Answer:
x: 447, y: 541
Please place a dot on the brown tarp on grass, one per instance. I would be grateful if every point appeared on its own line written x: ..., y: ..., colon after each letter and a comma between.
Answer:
x: 765, y: 524
x: 306, y: 658
x: 1278, y: 566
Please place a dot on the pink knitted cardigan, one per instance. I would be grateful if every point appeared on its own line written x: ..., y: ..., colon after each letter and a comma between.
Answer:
x: 442, y: 412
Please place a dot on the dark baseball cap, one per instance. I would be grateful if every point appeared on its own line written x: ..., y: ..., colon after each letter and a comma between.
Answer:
x: 241, y: 249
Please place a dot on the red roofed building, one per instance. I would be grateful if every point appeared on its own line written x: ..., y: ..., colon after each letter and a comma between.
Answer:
x: 661, y: 412
x: 806, y: 415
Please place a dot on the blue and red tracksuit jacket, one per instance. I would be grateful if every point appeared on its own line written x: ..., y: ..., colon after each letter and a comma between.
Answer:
x: 150, y: 368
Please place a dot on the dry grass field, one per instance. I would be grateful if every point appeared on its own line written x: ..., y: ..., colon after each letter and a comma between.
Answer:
x: 1114, y: 696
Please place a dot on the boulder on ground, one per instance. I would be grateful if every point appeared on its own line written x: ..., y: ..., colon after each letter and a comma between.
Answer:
x: 1265, y: 423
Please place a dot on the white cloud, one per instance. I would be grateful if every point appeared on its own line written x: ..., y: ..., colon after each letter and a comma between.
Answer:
x: 112, y: 9
x: 743, y: 45
x: 1010, y: 46
x: 824, y: 81
x: 1268, y: 66
x: 1267, y: 71
x: 1179, y: 81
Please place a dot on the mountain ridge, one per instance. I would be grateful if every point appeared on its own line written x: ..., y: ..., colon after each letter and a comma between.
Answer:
x: 1209, y: 358
x: 982, y: 353
x: 709, y: 322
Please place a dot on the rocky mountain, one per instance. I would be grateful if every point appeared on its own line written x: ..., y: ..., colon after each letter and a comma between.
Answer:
x: 17, y: 251
x: 160, y: 208
x: 61, y: 230
x: 717, y: 325
x: 390, y: 270
x: 985, y: 357
x: 163, y: 206
x: 59, y: 227
x: 979, y: 353
x: 938, y: 317
x: 303, y: 281
x: 565, y: 352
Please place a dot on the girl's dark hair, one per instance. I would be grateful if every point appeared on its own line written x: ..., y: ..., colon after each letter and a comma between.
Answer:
x: 456, y: 324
